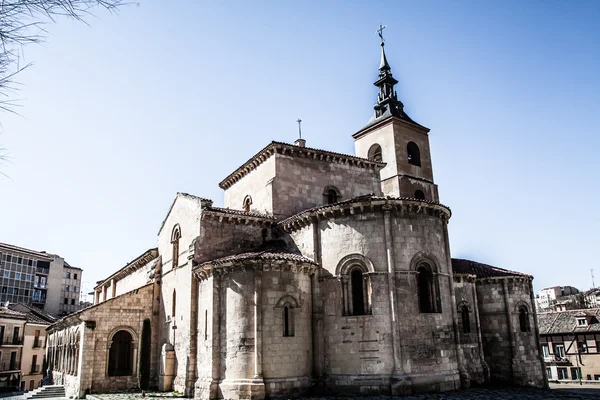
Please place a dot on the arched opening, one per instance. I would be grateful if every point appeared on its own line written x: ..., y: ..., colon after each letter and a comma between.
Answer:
x: 331, y: 196
x: 466, y: 323
x: 524, y: 319
x: 419, y: 195
x: 247, y: 203
x: 174, y: 304
x: 120, y: 357
x: 175, y: 236
x: 414, y: 155
x: 358, y: 298
x: 375, y: 153
x: 426, y: 290
x: 287, y: 326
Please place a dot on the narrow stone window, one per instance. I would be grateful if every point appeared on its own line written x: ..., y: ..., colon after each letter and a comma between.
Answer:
x: 120, y: 358
x: 286, y: 306
x: 174, y: 305
x: 524, y: 319
x: 175, y: 236
x: 331, y: 195
x: 287, y: 322
x: 205, y: 324
x: 358, y: 298
x: 414, y: 155
x: 466, y: 323
x: 427, y: 290
x: 419, y: 195
x: 375, y: 153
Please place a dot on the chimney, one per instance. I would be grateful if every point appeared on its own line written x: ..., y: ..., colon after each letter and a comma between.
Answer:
x: 300, y: 143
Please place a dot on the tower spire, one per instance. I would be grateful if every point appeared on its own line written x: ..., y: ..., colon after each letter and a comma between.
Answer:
x: 387, y: 104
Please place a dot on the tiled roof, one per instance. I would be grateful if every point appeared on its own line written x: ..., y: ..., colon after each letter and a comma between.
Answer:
x: 33, y: 314
x: 239, y: 212
x: 565, y: 322
x: 39, y: 254
x: 271, y: 251
x: 460, y: 266
x: 8, y: 313
x: 357, y: 199
x: 270, y: 149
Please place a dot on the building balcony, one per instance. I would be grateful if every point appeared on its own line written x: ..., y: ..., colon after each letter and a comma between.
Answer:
x: 14, y: 341
x: 39, y: 299
x: 42, y: 271
x: 40, y: 285
x: 37, y: 343
x: 36, y: 369
x: 10, y: 366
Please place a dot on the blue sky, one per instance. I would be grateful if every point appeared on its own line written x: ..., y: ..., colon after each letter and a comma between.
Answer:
x: 120, y: 115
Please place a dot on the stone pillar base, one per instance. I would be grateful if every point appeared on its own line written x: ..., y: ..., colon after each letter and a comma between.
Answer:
x: 243, y: 389
x: 400, y: 385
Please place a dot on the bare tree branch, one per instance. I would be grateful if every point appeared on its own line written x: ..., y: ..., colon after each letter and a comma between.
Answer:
x: 23, y: 22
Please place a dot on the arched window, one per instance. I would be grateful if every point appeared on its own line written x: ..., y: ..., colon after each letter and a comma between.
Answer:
x: 174, y: 305
x: 375, y: 153
x: 358, y: 297
x: 466, y: 323
x: 419, y: 195
x: 524, y: 319
x: 120, y: 357
x: 427, y: 290
x: 287, y: 304
x: 175, y: 236
x: 287, y: 322
x: 331, y: 195
x: 414, y: 155
x: 247, y: 203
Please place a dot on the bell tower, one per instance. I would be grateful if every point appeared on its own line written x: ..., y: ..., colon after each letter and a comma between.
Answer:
x: 393, y: 137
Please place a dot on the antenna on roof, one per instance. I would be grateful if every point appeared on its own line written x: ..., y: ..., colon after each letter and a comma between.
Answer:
x: 593, y: 284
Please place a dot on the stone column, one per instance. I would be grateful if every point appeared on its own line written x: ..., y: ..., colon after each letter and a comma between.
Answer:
x: 485, y: 367
x: 318, y: 340
x: 190, y: 379
x: 536, y: 332
x: 509, y: 324
x: 113, y: 288
x: 465, y: 379
x: 399, y: 383
x: 218, y: 323
x: 257, y: 324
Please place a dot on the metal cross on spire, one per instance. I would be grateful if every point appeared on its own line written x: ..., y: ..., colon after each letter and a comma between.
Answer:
x: 299, y: 121
x: 380, y: 32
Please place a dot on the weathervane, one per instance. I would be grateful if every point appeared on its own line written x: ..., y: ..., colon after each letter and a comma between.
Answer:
x: 380, y: 32
x: 299, y: 121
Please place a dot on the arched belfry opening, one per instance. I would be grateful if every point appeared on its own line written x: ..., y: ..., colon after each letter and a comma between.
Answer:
x: 524, y: 319
x: 331, y: 195
x: 175, y: 237
x: 414, y: 154
x: 375, y: 153
x: 427, y: 290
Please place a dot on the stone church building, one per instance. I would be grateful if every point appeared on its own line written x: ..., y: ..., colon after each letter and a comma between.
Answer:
x: 323, y: 273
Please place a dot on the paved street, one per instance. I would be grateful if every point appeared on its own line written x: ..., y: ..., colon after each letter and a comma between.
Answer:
x: 588, y: 392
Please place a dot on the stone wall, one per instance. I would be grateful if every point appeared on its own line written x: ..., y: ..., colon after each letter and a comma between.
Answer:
x: 359, y: 351
x: 511, y: 355
x: 469, y: 329
x: 225, y: 238
x: 301, y: 182
x: 258, y: 184
x: 136, y: 279
x: 98, y: 324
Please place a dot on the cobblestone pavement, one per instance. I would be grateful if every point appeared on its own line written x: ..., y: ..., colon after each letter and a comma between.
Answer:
x: 560, y: 393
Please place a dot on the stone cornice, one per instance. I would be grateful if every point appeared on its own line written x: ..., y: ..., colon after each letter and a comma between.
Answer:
x: 387, y: 121
x: 296, y: 151
x: 512, y: 278
x: 206, y: 270
x: 364, y: 204
x: 237, y: 217
x: 131, y: 267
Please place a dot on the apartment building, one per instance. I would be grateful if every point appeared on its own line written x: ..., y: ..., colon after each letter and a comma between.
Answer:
x: 35, y: 277
x: 34, y: 344
x: 12, y: 326
x: 558, y: 298
x: 570, y: 343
